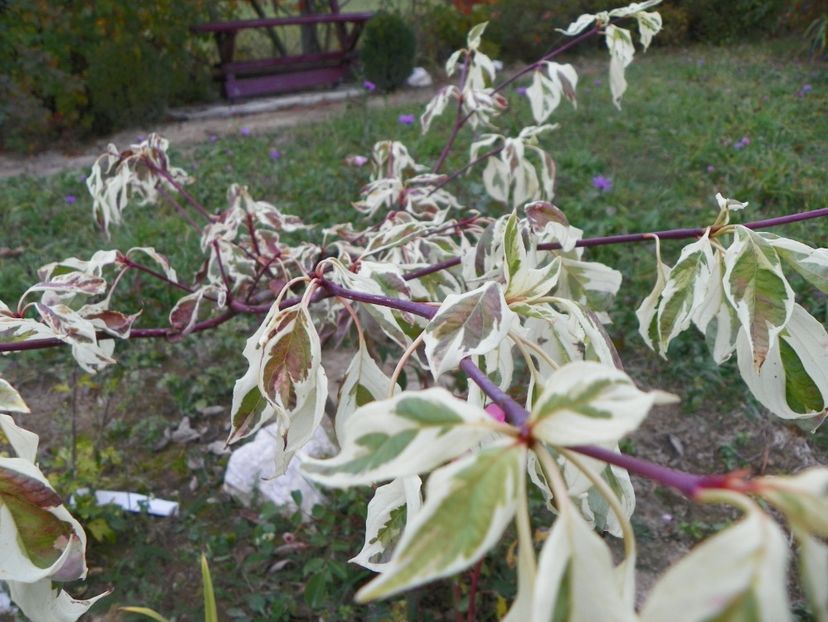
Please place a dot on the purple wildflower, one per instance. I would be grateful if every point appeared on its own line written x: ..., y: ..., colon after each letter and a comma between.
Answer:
x: 743, y: 142
x: 406, y: 119
x: 604, y: 184
x: 275, y: 154
x: 369, y: 86
x: 597, y: 82
x: 213, y: 138
x: 806, y: 88
x: 710, y: 168
x: 71, y: 199
x: 245, y: 131
x: 140, y: 138
x: 521, y: 90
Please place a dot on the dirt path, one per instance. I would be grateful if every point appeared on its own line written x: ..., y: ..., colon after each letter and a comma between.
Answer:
x: 186, y: 133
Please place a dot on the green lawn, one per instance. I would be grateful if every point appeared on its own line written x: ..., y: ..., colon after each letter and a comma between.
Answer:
x: 670, y: 149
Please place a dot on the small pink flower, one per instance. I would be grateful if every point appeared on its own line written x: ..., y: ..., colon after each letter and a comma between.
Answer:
x: 356, y: 160
x: 496, y: 412
x: 406, y: 119
x: 710, y: 168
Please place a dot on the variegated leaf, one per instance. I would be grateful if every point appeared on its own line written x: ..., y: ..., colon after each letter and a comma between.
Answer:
x: 813, y: 570
x: 68, y: 326
x: 793, y: 382
x: 811, y: 263
x: 467, y: 324
x: 364, y: 383
x: 756, y: 287
x: 393, y: 506
x: 437, y: 105
x: 10, y: 400
x: 738, y: 574
x: 684, y: 291
x: 588, y: 282
x: 38, y: 536
x: 577, y: 578
x: 622, y: 50
x: 408, y: 434
x: 23, y: 442
x: 250, y: 409
x: 647, y: 311
x: 802, y: 498
x: 468, y: 505
x: 290, y: 356
x: 39, y: 601
x: 586, y: 402
x: 524, y: 279
x: 716, y: 318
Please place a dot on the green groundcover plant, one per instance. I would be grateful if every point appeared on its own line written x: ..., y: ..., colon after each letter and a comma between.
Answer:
x: 504, y: 318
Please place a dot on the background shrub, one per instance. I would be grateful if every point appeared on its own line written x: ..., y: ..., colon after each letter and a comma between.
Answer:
x: 388, y: 48
x: 68, y: 68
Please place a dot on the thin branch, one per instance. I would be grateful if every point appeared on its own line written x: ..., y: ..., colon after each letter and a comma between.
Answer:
x: 137, y: 333
x: 447, y: 179
x: 179, y: 188
x: 408, y: 306
x: 178, y: 209
x: 459, y: 119
x: 627, y: 238
x: 224, y: 278
x: 146, y: 269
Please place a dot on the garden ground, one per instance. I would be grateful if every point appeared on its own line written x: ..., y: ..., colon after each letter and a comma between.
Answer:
x: 694, y: 122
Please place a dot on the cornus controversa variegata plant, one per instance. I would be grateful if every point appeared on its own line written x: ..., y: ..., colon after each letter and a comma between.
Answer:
x: 513, y: 304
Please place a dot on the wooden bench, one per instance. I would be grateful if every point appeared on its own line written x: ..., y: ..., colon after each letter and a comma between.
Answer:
x: 278, y: 74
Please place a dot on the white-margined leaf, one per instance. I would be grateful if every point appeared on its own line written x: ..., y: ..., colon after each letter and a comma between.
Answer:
x: 389, y: 511
x: 291, y: 355
x: 468, y: 505
x: 647, y: 311
x: 793, y: 382
x: 586, y: 403
x: 813, y: 570
x: 364, y: 383
x: 39, y: 601
x: 811, y: 263
x: 649, y: 25
x: 23, y: 442
x: 622, y: 50
x: 38, y: 537
x: 716, y: 318
x: 576, y: 578
x: 756, y: 287
x: 68, y: 326
x: 467, y: 324
x: 10, y: 400
x: 684, y: 292
x: 802, y: 498
x: 738, y: 574
x: 588, y: 282
x: 551, y: 81
x: 437, y: 105
x: 528, y: 275
x: 408, y: 434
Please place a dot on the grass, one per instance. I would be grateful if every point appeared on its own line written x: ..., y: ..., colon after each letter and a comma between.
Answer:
x: 669, y: 150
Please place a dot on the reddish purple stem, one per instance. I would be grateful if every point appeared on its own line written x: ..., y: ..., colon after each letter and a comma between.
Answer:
x: 627, y: 238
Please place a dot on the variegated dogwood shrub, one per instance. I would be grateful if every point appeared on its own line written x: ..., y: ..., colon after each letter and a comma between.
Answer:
x: 513, y: 303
